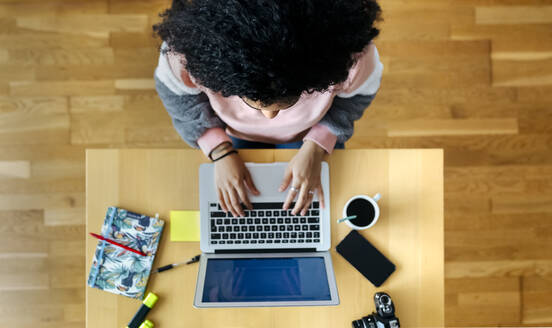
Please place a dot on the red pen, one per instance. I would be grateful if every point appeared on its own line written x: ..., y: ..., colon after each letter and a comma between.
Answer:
x: 117, y: 244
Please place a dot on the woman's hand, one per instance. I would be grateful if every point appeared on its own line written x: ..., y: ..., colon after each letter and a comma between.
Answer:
x: 303, y: 172
x: 231, y: 178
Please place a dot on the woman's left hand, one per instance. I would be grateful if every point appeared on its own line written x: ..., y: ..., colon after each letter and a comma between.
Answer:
x: 303, y: 172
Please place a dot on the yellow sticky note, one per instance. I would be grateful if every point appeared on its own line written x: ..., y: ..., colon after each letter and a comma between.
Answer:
x: 184, y: 225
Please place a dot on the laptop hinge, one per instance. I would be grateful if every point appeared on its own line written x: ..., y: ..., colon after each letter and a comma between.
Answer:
x: 265, y: 250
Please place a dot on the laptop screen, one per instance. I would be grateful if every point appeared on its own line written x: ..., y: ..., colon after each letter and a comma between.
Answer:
x: 266, y: 280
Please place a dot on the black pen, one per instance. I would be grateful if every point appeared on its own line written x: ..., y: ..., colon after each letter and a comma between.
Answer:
x: 170, y: 266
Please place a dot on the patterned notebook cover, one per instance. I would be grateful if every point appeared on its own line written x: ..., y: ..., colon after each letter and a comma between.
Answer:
x: 117, y: 270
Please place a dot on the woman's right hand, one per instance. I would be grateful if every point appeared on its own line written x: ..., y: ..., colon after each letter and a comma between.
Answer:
x: 231, y: 178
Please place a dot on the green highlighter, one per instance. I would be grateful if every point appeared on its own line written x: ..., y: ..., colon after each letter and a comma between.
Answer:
x: 140, y: 316
x: 146, y: 324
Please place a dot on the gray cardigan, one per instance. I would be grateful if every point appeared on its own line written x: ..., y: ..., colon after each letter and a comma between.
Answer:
x: 192, y: 114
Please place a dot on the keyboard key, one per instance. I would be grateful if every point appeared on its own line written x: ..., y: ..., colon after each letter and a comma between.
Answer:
x: 218, y: 214
x: 221, y: 229
x: 232, y: 236
x: 213, y: 205
x: 277, y: 241
x: 313, y: 220
x: 243, y: 228
x: 267, y: 206
x: 285, y: 241
x: 265, y: 221
x: 257, y: 221
x: 246, y: 213
x: 282, y: 228
x: 278, y: 235
x: 237, y: 242
x: 269, y: 241
x: 317, y: 235
x: 315, y: 204
x: 283, y: 213
x: 315, y: 212
x: 280, y: 220
x: 234, y: 221
x: 256, y: 235
x: 272, y: 221
x: 297, y: 227
x: 271, y: 235
x: 295, y: 220
x: 245, y: 241
x: 253, y: 241
x: 222, y: 242
x: 288, y: 220
x: 224, y: 236
x: 301, y: 241
x: 242, y: 221
x: 316, y: 240
x: 260, y: 213
x: 226, y: 221
x: 308, y: 240
x: 274, y: 228
x: 249, y: 221
x: 259, y: 228
x: 253, y: 214
x: 251, y: 228
x: 286, y: 234
x: 268, y: 213
x: 303, y: 220
x: 248, y: 235
x: 266, y: 228
x: 301, y: 235
x: 229, y: 241
x: 240, y: 235
x: 314, y: 227
x: 261, y: 241
x: 309, y: 234
x: 215, y: 236
x: 294, y: 235
x: 236, y: 229
x: 214, y: 242
x: 219, y: 221
x: 304, y: 227
x: 292, y: 241
x: 289, y: 228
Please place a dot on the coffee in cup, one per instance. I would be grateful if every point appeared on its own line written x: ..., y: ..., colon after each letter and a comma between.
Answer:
x: 366, y: 210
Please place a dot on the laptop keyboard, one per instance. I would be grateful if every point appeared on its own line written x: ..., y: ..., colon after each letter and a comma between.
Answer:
x: 267, y: 223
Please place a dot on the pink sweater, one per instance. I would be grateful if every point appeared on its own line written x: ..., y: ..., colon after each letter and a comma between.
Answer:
x: 298, y: 122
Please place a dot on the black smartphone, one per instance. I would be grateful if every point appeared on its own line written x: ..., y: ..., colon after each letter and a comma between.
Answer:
x: 365, y: 258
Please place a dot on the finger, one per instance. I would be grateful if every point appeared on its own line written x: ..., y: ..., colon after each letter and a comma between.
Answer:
x: 286, y: 180
x: 249, y: 183
x: 310, y: 195
x: 301, y: 199
x: 320, y: 193
x: 290, y: 197
x: 243, y: 196
x: 235, y: 200
x: 221, y: 201
x: 228, y: 203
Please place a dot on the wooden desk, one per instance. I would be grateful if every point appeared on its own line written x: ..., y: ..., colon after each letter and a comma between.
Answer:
x: 409, y: 232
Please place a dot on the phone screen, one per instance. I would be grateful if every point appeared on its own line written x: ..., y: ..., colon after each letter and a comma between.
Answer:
x: 365, y: 258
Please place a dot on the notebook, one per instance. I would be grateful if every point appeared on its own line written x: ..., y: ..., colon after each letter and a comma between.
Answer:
x: 117, y: 270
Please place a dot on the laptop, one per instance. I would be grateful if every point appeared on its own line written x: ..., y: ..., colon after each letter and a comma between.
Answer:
x: 269, y: 257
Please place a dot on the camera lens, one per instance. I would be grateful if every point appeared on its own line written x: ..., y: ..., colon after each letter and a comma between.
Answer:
x: 385, y: 300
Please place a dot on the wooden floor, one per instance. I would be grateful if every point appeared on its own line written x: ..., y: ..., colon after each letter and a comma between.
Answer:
x: 471, y: 76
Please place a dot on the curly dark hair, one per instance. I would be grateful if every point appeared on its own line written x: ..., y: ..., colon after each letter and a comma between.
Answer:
x: 269, y: 50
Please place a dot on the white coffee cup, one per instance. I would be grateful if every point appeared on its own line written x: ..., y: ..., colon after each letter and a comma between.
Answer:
x: 373, y: 201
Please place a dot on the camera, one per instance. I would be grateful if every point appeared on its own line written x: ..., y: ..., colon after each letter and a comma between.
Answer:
x: 384, y: 317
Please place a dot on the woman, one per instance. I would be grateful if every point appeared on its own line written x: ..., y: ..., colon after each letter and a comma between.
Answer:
x: 268, y: 74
